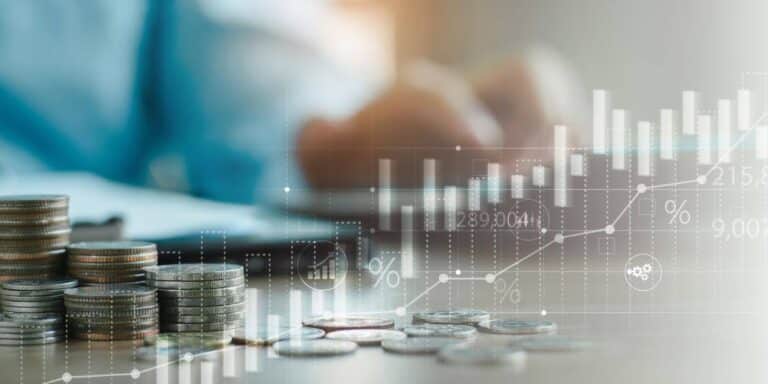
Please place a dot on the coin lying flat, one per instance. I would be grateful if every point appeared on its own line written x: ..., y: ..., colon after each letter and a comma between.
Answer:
x: 517, y: 327
x: 264, y: 336
x: 419, y: 345
x: 195, y: 271
x: 440, y: 330
x: 481, y: 355
x: 32, y: 202
x: 321, y: 347
x: 459, y: 316
x: 366, y: 336
x: 330, y: 324
x: 552, y: 344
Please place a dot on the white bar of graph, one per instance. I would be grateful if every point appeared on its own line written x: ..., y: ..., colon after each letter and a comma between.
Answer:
x: 561, y: 166
x: 406, y: 242
x: 252, y: 359
x: 644, y: 157
x: 744, y: 112
x: 295, y: 306
x: 517, y: 186
x: 251, y: 328
x: 185, y: 372
x: 475, y: 194
x: 494, y: 183
x: 230, y: 364
x: 340, y: 298
x: 318, y: 302
x: 724, y: 131
x: 618, y: 139
x: 689, y: 112
x: 430, y: 194
x: 161, y: 373
x: 667, y: 133
x: 704, y: 126
x: 385, y: 194
x: 207, y: 372
x: 540, y: 176
x: 599, y: 121
x: 450, y: 200
x: 761, y: 142
x: 273, y: 329
x: 577, y: 164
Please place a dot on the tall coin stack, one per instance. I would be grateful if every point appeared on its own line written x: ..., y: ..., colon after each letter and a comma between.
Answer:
x: 35, y: 299
x: 34, y: 232
x: 106, y: 313
x: 110, y: 262
x: 199, y: 297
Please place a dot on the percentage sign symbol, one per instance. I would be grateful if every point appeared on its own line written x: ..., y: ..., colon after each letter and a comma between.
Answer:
x: 507, y: 291
x: 384, y: 272
x: 677, y: 212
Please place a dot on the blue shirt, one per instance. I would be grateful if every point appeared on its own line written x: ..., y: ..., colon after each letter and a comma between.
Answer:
x: 205, y: 96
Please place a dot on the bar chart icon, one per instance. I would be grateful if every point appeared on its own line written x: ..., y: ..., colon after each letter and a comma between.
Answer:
x: 324, y: 269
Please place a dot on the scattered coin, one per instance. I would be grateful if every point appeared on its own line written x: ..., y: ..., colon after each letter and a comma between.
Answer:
x: 366, y: 336
x: 473, y: 354
x: 321, y: 347
x: 330, y: 324
x: 440, y: 330
x: 517, y: 327
x: 264, y: 336
x: 460, y: 316
x: 419, y: 345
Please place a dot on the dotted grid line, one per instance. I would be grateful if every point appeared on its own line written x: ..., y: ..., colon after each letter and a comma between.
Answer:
x: 585, y: 276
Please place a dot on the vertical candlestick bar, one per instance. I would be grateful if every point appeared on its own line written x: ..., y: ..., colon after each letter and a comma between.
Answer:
x: 689, y: 113
x: 540, y: 176
x: 406, y: 242
x: 744, y: 113
x: 430, y: 194
x: 295, y: 308
x: 494, y: 183
x: 517, y: 186
x: 450, y: 201
x: 704, y: 123
x: 761, y: 142
x: 385, y: 194
x: 667, y: 132
x: 474, y: 201
x: 561, y: 166
x: 577, y: 164
x: 644, y: 157
x: 618, y: 139
x: 724, y: 131
x: 599, y: 121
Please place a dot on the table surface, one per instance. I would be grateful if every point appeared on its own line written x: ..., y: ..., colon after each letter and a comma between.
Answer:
x: 703, y: 327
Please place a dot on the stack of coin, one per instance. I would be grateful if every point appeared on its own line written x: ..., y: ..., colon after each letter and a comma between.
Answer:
x: 111, y: 262
x: 34, y: 232
x: 18, y: 332
x: 199, y: 297
x: 105, y: 313
x: 35, y: 299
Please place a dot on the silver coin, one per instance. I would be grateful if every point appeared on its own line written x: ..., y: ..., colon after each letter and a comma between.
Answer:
x: 195, y: 271
x: 552, y: 343
x: 182, y: 327
x: 31, y: 335
x: 440, y: 330
x: 420, y: 345
x: 201, y: 301
x: 113, y: 314
x: 33, y: 245
x: 129, y: 302
x: 32, y: 299
x: 517, y: 327
x: 175, y: 284
x: 459, y: 316
x: 28, y: 233
x: 122, y: 266
x: 33, y: 201
x: 105, y: 248
x: 38, y: 341
x: 205, y: 310
x: 195, y: 339
x: 33, y: 309
x: 32, y: 316
x: 366, y: 336
x: 264, y: 336
x: 55, y: 255
x: 321, y: 347
x: 6, y: 294
x: 193, y: 293
x: 6, y: 321
x: 40, y: 285
x: 192, y: 319
x: 473, y: 354
x: 107, y: 293
x: 330, y: 324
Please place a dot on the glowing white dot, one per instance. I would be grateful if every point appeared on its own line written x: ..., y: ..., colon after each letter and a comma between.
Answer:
x: 559, y: 238
x: 188, y: 357
x: 400, y: 311
x: 373, y: 189
x: 443, y: 278
x: 490, y: 278
x: 641, y: 188
x: 287, y: 189
x: 609, y: 229
x: 543, y: 230
x: 701, y: 179
x: 135, y: 373
x: 543, y: 312
x: 458, y: 148
x: 66, y: 377
x: 458, y: 272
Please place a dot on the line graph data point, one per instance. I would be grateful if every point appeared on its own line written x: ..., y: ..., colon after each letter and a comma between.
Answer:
x: 559, y: 238
x: 66, y: 377
x: 642, y: 188
x: 400, y: 311
x: 609, y: 229
x: 701, y: 179
x: 135, y: 373
x: 490, y: 278
x: 443, y: 278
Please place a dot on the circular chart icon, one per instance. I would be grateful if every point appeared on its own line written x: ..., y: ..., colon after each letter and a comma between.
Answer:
x: 643, y: 272
x: 322, y: 265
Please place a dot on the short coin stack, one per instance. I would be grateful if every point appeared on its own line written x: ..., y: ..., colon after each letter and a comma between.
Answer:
x: 199, y: 297
x: 111, y: 262
x: 34, y: 232
x: 35, y: 299
x: 17, y: 332
x: 105, y: 313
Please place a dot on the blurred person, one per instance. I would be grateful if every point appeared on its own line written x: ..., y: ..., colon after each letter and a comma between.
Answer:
x: 232, y: 100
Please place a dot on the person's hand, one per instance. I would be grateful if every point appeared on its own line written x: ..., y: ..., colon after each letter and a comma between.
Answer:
x: 430, y: 112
